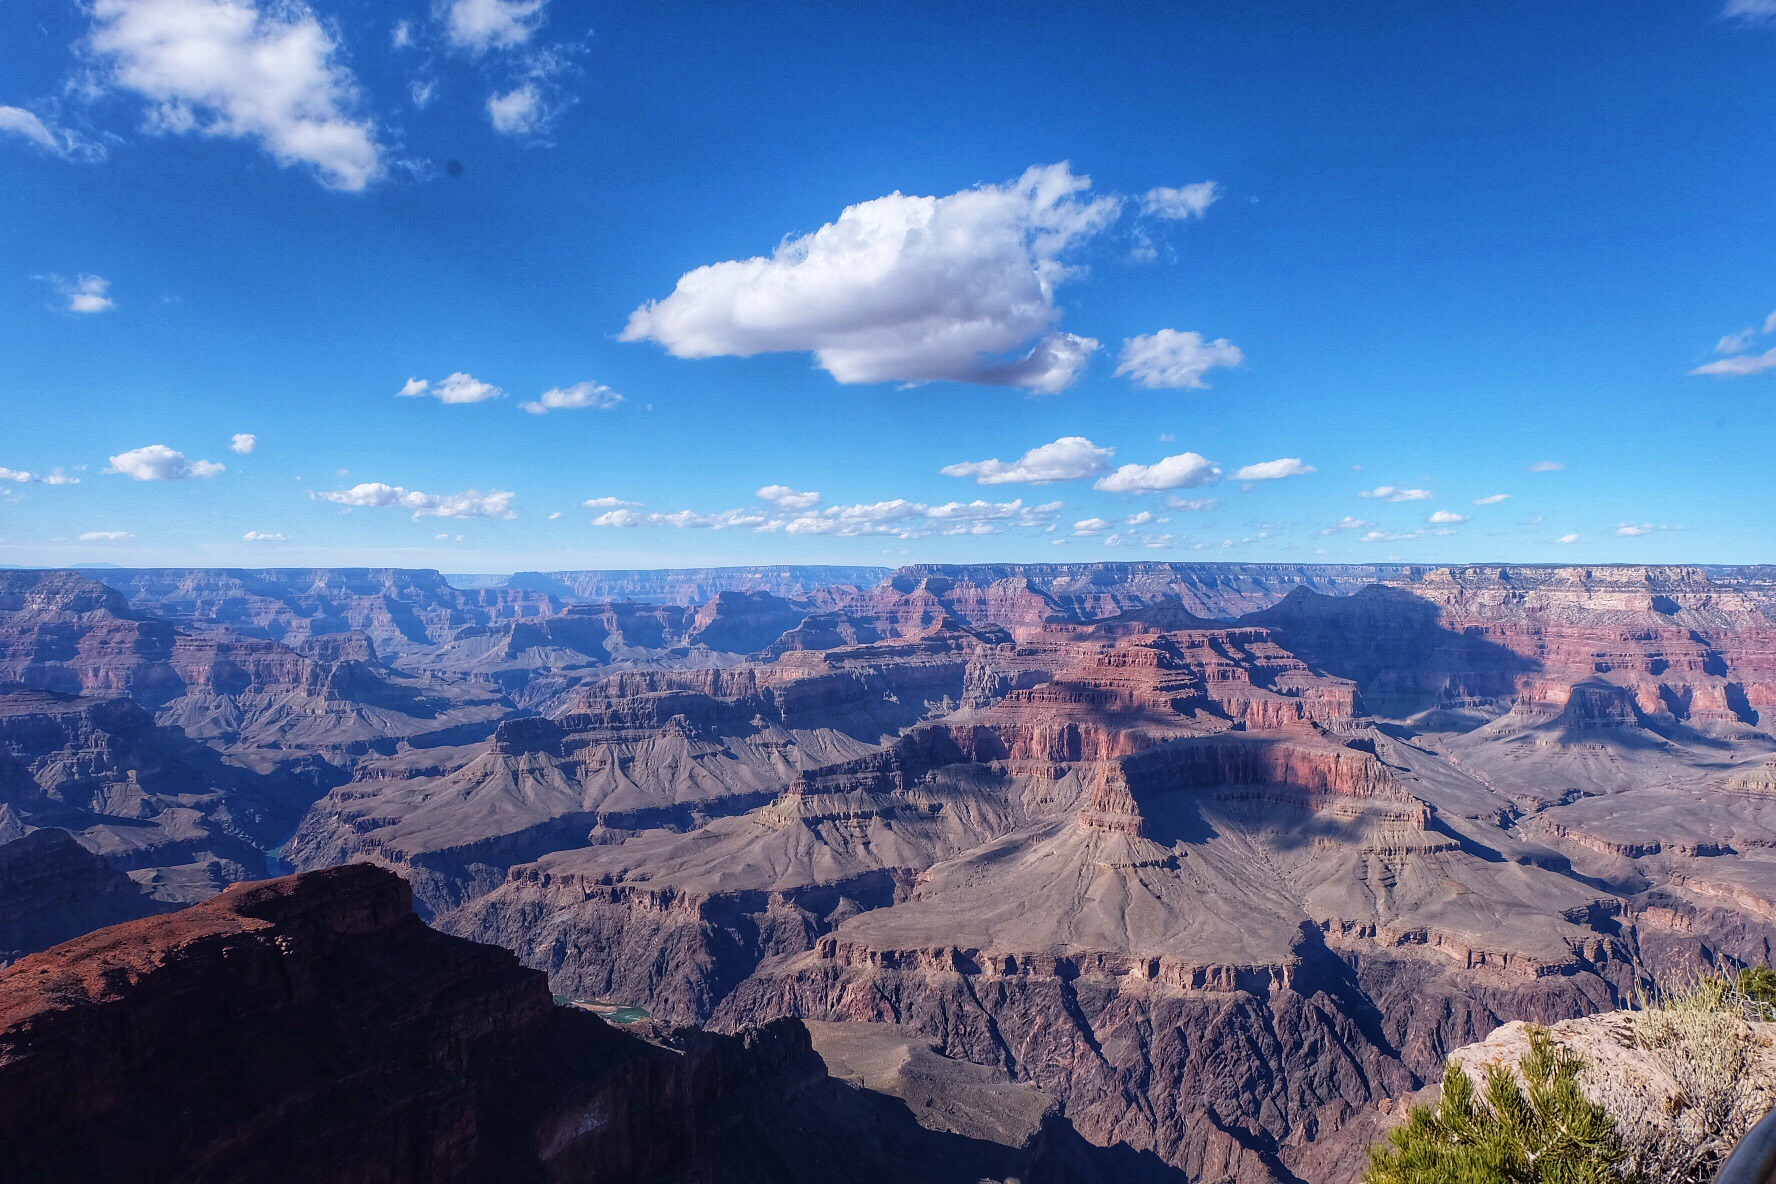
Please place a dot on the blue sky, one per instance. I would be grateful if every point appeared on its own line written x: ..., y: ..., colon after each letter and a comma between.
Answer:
x: 1432, y: 256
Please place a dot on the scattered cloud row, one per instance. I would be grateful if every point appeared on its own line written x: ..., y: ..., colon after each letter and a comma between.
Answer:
x: 471, y: 503
x: 461, y: 388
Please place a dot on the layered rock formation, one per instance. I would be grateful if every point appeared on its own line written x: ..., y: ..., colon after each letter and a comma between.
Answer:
x: 1213, y: 857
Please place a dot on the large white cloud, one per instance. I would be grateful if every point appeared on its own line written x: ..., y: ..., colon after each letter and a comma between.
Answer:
x: 157, y: 462
x: 1273, y: 470
x: 1067, y: 459
x: 269, y: 73
x: 1185, y: 471
x: 905, y: 289
x: 481, y: 25
x: 580, y: 396
x: 1173, y: 359
x: 470, y: 503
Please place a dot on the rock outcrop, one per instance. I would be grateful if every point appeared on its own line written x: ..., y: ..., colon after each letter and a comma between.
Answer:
x: 314, y: 1029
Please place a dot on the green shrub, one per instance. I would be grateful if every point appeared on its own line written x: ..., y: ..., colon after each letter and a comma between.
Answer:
x: 1543, y: 1131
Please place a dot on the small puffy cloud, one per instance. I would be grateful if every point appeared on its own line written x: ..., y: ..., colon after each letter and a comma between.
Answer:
x: 787, y: 499
x: 1567, y: 538
x: 260, y: 536
x: 106, y: 536
x: 1175, y: 360
x: 622, y: 517
x: 157, y: 462
x: 1492, y: 499
x: 518, y: 112
x: 1446, y: 518
x: 1067, y: 459
x: 578, y: 397
x: 905, y: 289
x: 83, y: 294
x: 477, y: 26
x: 1629, y: 530
x: 1090, y: 526
x: 1188, y: 201
x: 1389, y: 536
x: 1347, y: 523
x: 1194, y: 504
x: 609, y: 503
x: 1393, y: 493
x: 240, y: 69
x: 458, y: 388
x: 1546, y: 466
x: 1271, y: 470
x: 471, y: 503
x: 1739, y: 367
x: 1184, y: 471
x: 1143, y: 518
x: 243, y: 442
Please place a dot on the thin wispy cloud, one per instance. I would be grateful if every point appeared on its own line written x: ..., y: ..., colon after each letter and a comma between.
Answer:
x: 1394, y: 493
x: 45, y: 136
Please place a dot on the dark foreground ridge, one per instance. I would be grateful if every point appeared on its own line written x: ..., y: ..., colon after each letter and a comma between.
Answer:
x: 312, y: 1028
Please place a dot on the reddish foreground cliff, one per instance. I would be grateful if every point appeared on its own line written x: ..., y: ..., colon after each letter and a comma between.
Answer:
x: 312, y: 1029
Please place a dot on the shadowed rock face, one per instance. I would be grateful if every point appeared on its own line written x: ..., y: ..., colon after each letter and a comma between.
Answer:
x: 52, y: 889
x: 1215, y: 858
x: 312, y: 1028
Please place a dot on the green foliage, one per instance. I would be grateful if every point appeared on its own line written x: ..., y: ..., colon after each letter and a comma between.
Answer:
x: 1543, y: 1131
x: 1757, y: 985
